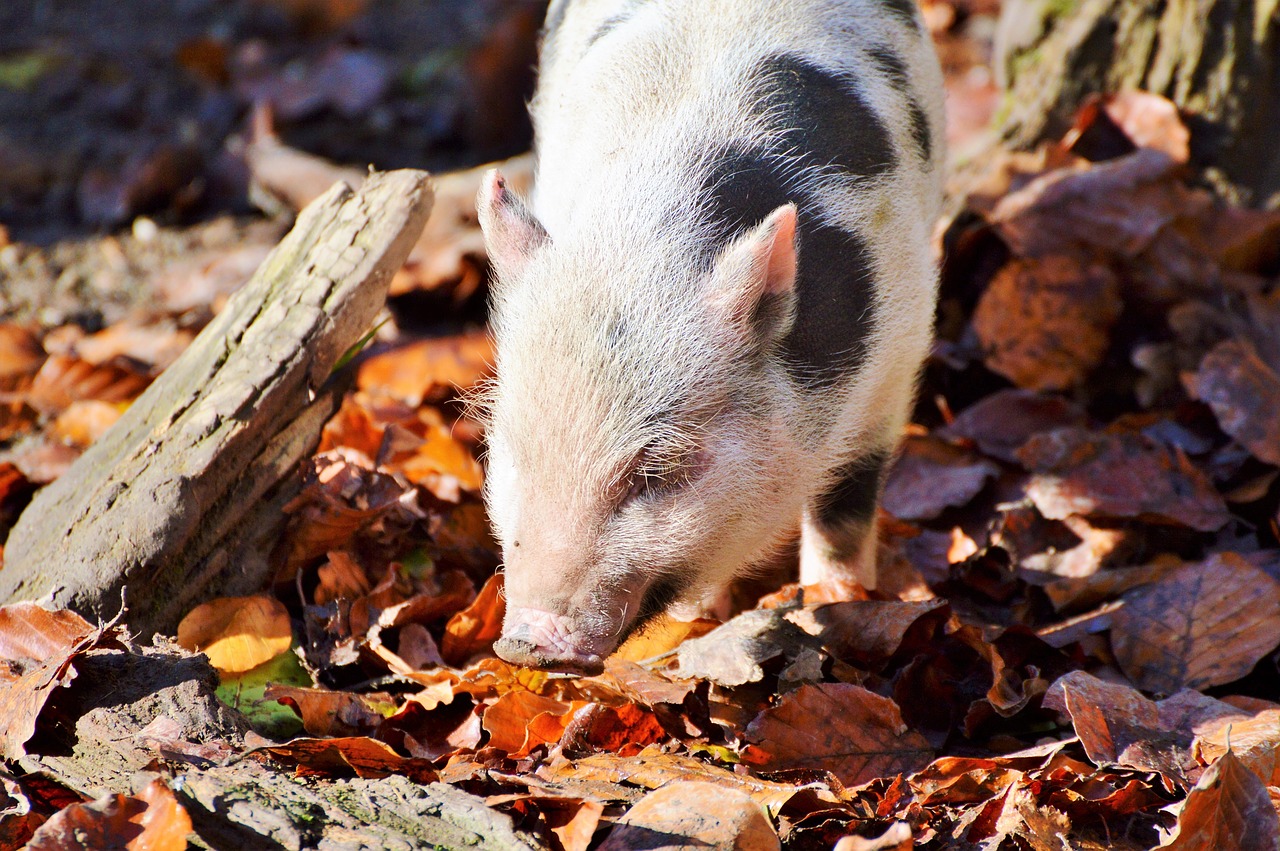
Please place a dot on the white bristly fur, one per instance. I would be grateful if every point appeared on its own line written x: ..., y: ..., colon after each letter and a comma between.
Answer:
x: 618, y: 120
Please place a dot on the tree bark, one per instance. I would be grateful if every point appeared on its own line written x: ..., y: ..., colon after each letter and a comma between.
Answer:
x: 166, y: 505
x: 1218, y: 60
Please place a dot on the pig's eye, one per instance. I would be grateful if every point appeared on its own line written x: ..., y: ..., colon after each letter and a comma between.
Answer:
x: 656, y: 473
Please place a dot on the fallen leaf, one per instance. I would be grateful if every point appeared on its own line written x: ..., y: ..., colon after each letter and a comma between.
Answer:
x: 867, y: 633
x: 153, y: 821
x: 688, y: 815
x: 1001, y: 423
x: 855, y: 734
x: 427, y: 369
x: 1203, y: 625
x: 237, y: 633
x: 1099, y: 474
x: 1254, y: 741
x: 359, y: 755
x: 64, y: 380
x: 1115, y: 207
x: 333, y: 714
x: 1045, y: 323
x: 519, y: 721
x: 733, y: 654
x: 474, y: 629
x: 1228, y: 808
x: 37, y: 649
x: 1244, y: 393
x: 20, y: 352
x: 931, y: 475
x: 83, y: 422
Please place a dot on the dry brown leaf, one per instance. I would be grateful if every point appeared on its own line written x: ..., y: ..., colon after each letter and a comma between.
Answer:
x: 690, y: 815
x: 474, y: 629
x: 333, y: 714
x: 1254, y: 741
x: 1150, y: 121
x: 1203, y: 625
x: 867, y: 633
x: 1002, y: 422
x: 37, y: 649
x: 1045, y: 323
x: 20, y: 352
x: 428, y: 369
x: 157, y: 346
x: 63, y: 380
x: 519, y: 721
x: 357, y: 755
x: 1228, y: 808
x: 855, y: 734
x: 84, y: 422
x: 153, y: 821
x: 1244, y: 392
x: 733, y: 654
x: 237, y: 633
x: 1099, y: 474
x: 341, y: 577
x: 1118, y: 206
x: 931, y: 475
x: 651, y: 769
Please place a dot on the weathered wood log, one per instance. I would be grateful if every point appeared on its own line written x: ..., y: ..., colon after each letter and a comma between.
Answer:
x: 1217, y: 59
x: 163, y: 505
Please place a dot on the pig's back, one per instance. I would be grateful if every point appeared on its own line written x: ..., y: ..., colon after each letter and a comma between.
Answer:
x: 691, y: 120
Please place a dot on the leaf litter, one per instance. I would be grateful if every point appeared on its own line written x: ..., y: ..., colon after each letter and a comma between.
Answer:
x: 1084, y: 653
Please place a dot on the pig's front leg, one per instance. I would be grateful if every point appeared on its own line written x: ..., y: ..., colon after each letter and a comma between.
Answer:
x: 838, y: 535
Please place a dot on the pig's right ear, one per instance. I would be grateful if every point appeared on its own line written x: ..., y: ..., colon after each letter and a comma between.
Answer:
x: 511, y: 233
x: 753, y: 286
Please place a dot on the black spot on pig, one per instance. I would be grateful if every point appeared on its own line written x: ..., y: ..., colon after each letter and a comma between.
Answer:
x: 835, y: 282
x: 819, y: 118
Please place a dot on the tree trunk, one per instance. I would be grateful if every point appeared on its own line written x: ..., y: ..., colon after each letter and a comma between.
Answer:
x: 168, y: 503
x: 1218, y: 60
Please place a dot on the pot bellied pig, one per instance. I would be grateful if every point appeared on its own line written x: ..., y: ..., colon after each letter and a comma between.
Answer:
x: 711, y: 317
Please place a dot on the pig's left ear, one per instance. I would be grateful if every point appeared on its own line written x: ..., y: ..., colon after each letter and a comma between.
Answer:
x: 511, y: 233
x: 753, y: 285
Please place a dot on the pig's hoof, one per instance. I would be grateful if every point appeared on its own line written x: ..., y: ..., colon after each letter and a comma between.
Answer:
x: 519, y: 651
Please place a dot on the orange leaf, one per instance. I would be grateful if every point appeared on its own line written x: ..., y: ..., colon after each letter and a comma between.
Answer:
x: 360, y: 755
x: 691, y: 814
x: 1228, y: 808
x: 662, y: 635
x: 474, y: 629
x: 519, y: 721
x: 153, y: 821
x: 420, y: 371
x: 855, y: 734
x: 237, y: 633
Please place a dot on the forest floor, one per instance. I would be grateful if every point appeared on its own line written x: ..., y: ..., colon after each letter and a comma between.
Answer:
x: 1076, y: 641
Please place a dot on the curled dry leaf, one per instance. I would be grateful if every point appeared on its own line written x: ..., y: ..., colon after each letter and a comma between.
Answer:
x: 474, y: 629
x: 237, y: 633
x: 63, y: 380
x: 1100, y: 474
x: 1228, y: 808
x: 1001, y: 423
x: 1045, y: 323
x: 1254, y: 741
x: 1203, y: 625
x: 153, y: 821
x: 333, y: 713
x: 867, y: 633
x: 1244, y: 393
x: 84, y: 422
x: 733, y: 654
x: 931, y: 475
x: 357, y: 755
x: 897, y: 837
x: 1116, y: 207
x: 662, y: 635
x: 688, y: 815
x: 37, y: 649
x: 855, y: 734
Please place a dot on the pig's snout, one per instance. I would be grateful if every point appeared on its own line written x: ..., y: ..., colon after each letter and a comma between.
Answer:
x: 537, y: 639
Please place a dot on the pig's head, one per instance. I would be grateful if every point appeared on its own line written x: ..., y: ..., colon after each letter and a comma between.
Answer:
x: 638, y: 428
